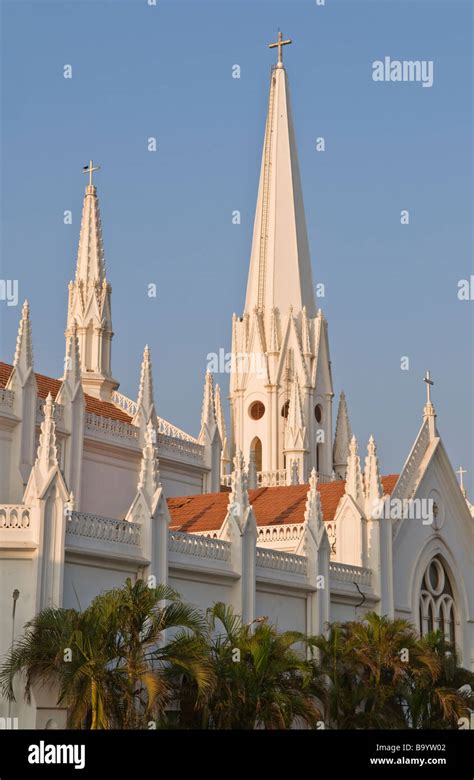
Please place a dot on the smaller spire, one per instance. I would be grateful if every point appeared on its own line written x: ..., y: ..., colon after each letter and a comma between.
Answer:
x: 208, y: 415
x: 295, y: 437
x: 72, y: 362
x: 149, y: 479
x: 221, y: 425
x: 372, y: 483
x: 252, y: 479
x: 23, y: 359
x: 274, y: 346
x: 342, y: 438
x: 354, y: 483
x: 305, y: 334
x: 47, y: 456
x: 239, y: 497
x: 145, y: 400
x: 313, y: 513
x: 429, y: 413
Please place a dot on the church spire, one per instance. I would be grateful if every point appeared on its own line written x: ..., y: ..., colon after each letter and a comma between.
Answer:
x: 342, y: 438
x: 145, y: 401
x: 90, y: 300
x: 23, y: 360
x: 47, y: 456
x: 280, y: 265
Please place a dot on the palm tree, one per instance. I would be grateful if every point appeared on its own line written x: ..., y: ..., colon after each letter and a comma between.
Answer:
x: 439, y: 703
x: 116, y: 662
x: 261, y: 677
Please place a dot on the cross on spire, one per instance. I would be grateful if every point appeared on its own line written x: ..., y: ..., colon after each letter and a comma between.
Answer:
x: 280, y: 43
x: 429, y: 383
x: 461, y: 473
x: 90, y: 170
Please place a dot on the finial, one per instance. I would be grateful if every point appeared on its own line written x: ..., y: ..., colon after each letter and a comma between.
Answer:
x: 280, y: 43
x: 90, y: 170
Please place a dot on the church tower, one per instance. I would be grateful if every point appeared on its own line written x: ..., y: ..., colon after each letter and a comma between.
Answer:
x: 89, y: 308
x: 280, y: 344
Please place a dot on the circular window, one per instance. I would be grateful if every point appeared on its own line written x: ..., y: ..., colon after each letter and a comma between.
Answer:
x: 434, y: 578
x: 285, y: 409
x: 257, y: 410
x: 318, y: 413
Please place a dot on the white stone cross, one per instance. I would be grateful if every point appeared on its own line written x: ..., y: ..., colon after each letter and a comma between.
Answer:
x: 429, y: 383
x: 280, y: 43
x: 90, y: 170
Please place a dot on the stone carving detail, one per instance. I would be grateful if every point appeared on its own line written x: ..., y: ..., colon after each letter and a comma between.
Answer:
x: 201, y: 546
x: 105, y: 528
x: 344, y: 572
x: 282, y: 561
x: 14, y: 516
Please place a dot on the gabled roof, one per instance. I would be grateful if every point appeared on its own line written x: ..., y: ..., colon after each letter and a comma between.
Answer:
x: 47, y: 384
x: 271, y: 505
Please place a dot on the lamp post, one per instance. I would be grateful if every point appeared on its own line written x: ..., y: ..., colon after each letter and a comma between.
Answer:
x: 15, y: 596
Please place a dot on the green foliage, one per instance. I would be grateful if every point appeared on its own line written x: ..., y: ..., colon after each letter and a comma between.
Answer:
x: 139, y: 654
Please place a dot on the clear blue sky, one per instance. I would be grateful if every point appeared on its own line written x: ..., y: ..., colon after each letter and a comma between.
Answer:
x: 165, y: 71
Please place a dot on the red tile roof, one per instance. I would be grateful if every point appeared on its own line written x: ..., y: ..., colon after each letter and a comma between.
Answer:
x: 47, y: 384
x: 272, y: 505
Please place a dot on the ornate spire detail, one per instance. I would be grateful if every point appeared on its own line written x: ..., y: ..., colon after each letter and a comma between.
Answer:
x: 239, y: 497
x: 354, y: 483
x: 208, y: 415
x: 372, y: 483
x: 342, y: 438
x: 295, y: 437
x: 305, y: 334
x: 221, y: 425
x: 429, y: 413
x: 274, y: 345
x: 313, y: 513
x: 252, y: 472
x: 145, y: 400
x: 90, y: 266
x: 23, y: 359
x: 149, y: 479
x: 72, y: 362
x: 295, y: 473
x: 47, y: 456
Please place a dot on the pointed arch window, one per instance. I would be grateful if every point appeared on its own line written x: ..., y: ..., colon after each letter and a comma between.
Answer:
x: 437, y: 610
x: 256, y: 449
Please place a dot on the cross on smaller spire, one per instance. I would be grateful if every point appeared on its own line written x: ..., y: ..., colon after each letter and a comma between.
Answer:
x: 90, y: 170
x: 461, y: 473
x: 280, y: 43
x: 429, y: 383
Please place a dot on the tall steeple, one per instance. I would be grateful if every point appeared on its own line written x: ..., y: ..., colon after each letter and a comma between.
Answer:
x: 90, y: 301
x: 281, y: 336
x: 280, y: 265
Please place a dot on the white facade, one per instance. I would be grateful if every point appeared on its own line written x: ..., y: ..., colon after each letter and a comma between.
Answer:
x: 89, y: 479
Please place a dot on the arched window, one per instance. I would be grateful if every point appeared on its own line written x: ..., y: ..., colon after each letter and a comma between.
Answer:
x: 437, y: 609
x: 256, y: 449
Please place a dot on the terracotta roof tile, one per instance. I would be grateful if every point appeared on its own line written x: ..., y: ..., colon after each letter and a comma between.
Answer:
x: 47, y: 384
x: 272, y: 505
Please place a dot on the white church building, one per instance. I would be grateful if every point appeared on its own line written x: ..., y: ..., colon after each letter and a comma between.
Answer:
x: 274, y: 513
